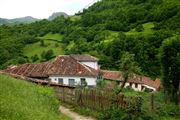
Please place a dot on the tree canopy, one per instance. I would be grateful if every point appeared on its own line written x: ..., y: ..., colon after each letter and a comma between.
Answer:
x: 170, y: 65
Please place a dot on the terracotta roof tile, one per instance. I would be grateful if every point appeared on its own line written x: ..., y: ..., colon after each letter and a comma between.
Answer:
x: 64, y: 65
x: 117, y: 76
x: 112, y: 75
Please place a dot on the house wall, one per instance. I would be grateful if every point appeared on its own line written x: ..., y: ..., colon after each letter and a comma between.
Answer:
x: 138, y: 88
x: 91, y: 81
x: 146, y: 86
x: 91, y: 64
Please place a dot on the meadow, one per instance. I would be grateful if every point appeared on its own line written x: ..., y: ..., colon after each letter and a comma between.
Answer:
x: 21, y: 100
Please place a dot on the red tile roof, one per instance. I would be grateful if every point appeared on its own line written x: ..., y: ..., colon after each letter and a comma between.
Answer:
x: 83, y: 58
x: 30, y: 70
x: 117, y: 76
x: 112, y: 75
x: 63, y: 65
x: 66, y: 65
x: 153, y: 83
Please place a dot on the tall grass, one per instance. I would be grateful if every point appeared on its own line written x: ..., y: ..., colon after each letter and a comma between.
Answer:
x: 20, y: 100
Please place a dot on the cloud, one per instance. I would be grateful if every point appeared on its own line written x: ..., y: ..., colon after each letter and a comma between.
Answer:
x: 39, y: 8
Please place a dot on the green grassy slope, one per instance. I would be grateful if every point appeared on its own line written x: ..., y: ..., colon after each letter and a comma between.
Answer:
x: 35, y: 48
x: 20, y: 100
x: 148, y: 30
x: 57, y: 37
x: 52, y: 41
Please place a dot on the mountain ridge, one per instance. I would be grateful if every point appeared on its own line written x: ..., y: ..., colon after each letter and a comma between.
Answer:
x: 30, y: 19
x: 26, y: 19
x: 57, y: 14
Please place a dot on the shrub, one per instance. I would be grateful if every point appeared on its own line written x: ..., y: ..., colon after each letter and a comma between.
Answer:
x: 139, y: 28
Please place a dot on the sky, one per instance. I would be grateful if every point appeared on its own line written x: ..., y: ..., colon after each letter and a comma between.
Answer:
x: 39, y: 8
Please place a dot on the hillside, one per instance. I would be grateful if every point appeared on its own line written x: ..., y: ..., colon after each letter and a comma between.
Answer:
x: 106, y: 30
x: 109, y: 28
x: 21, y: 100
x: 27, y: 19
x: 3, y: 21
x: 51, y: 42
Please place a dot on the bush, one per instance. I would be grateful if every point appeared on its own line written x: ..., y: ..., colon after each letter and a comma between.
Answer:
x: 35, y: 58
x: 112, y: 114
x: 139, y: 28
x: 115, y: 113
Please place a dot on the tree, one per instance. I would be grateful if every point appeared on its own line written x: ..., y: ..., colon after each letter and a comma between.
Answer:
x: 42, y: 44
x: 128, y: 66
x: 35, y: 58
x: 139, y: 28
x: 49, y: 54
x: 170, y: 67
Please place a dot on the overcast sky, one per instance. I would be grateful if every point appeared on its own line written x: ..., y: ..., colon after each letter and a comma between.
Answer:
x: 39, y: 8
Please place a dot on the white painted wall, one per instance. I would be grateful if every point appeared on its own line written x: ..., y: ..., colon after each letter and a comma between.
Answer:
x: 146, y: 86
x: 91, y: 64
x: 91, y: 81
x: 133, y: 86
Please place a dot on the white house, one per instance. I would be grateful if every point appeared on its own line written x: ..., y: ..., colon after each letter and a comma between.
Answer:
x: 69, y: 70
x: 82, y: 70
x: 136, y: 82
x: 75, y: 70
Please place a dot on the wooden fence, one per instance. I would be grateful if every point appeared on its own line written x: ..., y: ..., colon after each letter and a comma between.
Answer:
x: 95, y: 99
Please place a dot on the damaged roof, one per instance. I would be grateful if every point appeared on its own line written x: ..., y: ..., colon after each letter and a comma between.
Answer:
x: 63, y: 65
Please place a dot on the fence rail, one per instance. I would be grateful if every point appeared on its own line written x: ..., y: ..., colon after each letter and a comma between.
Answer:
x: 94, y: 99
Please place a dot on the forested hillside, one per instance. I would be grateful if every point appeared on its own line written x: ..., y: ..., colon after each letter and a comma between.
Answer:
x: 106, y: 29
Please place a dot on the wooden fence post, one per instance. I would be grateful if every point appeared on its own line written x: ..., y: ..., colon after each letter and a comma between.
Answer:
x: 152, y: 101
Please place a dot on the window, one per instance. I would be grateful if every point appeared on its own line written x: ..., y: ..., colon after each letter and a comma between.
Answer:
x: 60, y: 81
x: 142, y: 87
x: 83, y: 82
x: 71, y: 82
x: 136, y: 85
x: 99, y: 77
x: 130, y: 84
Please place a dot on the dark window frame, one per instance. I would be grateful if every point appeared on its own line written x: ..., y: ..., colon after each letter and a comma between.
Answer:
x: 70, y: 83
x: 136, y: 85
x: 84, y: 81
x: 62, y: 82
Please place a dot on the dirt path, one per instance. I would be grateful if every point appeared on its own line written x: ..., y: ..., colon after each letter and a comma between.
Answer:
x: 72, y: 114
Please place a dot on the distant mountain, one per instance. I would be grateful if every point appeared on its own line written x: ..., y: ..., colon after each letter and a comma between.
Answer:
x: 57, y: 14
x: 27, y: 19
x: 3, y: 21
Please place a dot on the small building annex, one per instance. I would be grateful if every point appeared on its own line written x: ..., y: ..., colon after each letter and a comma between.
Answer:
x: 136, y: 82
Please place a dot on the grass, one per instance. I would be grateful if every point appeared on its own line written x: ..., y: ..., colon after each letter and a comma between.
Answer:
x: 147, y: 30
x: 75, y: 18
x: 52, y: 41
x: 35, y: 48
x: 50, y: 36
x: 20, y: 100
